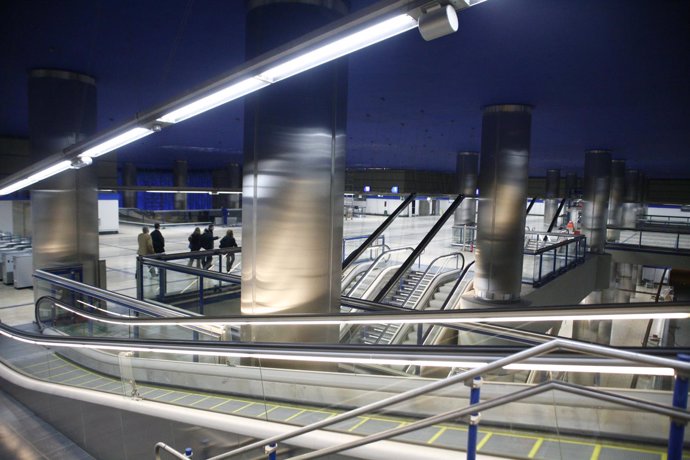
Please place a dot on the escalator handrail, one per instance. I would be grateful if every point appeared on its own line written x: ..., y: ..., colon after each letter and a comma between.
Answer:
x: 375, y: 235
x: 431, y: 265
x: 555, y: 217
x: 373, y: 265
x: 419, y: 249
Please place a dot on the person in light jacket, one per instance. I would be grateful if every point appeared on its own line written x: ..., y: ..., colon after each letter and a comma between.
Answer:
x: 145, y: 247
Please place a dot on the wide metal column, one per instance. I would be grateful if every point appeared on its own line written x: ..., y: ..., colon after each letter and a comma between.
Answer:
x: 552, y: 195
x: 235, y: 181
x: 631, y: 199
x: 502, y: 195
x: 596, y: 198
x: 64, y: 209
x: 180, y: 174
x: 570, y: 185
x: 616, y: 193
x: 129, y: 179
x: 294, y: 175
x: 466, y: 170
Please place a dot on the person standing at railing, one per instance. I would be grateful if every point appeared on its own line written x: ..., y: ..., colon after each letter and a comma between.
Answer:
x: 145, y: 248
x: 158, y: 240
x: 228, y: 241
x: 195, y: 245
x: 207, y: 240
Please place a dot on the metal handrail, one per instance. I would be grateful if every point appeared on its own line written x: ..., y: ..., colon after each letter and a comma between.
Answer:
x: 456, y: 285
x: 556, y: 216
x: 386, y: 223
x: 569, y: 239
x: 373, y: 265
x: 420, y: 248
x: 556, y: 344
x: 431, y: 265
x: 553, y: 385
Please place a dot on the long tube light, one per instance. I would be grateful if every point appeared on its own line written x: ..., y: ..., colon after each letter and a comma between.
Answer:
x: 116, y: 142
x: 321, y: 55
x: 375, y: 32
x: 37, y: 177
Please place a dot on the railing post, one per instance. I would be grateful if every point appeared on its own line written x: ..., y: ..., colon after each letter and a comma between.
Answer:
x: 140, y: 278
x: 271, y: 450
x: 680, y: 401
x: 473, y: 430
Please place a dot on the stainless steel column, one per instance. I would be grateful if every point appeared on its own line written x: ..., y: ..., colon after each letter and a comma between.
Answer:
x: 631, y: 199
x: 180, y: 175
x: 294, y: 174
x: 570, y: 185
x: 129, y: 179
x: 235, y: 181
x: 62, y: 111
x: 219, y: 179
x: 616, y: 199
x: 552, y: 196
x: 466, y: 170
x: 596, y: 198
x: 502, y: 195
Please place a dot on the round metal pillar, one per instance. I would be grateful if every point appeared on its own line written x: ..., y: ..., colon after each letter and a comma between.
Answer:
x: 62, y: 111
x: 180, y: 174
x: 596, y: 198
x: 616, y: 199
x: 294, y: 179
x: 466, y: 171
x: 502, y: 196
x: 631, y: 199
x: 552, y: 194
x: 129, y: 179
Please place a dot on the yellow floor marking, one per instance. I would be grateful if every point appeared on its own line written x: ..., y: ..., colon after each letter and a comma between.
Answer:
x: 597, y: 451
x: 62, y: 373
x: 484, y: 440
x: 51, y: 369
x: 294, y: 415
x: 74, y: 378
x: 197, y: 402
x: 535, y: 448
x: 243, y: 407
x: 177, y: 399
x: 358, y: 424
x: 220, y: 404
x: 161, y: 395
x: 42, y: 363
x: 437, y: 435
x: 104, y: 384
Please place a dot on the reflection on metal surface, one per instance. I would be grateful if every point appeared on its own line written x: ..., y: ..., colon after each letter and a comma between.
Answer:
x: 596, y: 198
x: 553, y: 182
x: 503, y: 193
x: 631, y: 208
x: 292, y: 202
x: 180, y: 180
x: 466, y: 170
x: 615, y: 198
x: 65, y: 207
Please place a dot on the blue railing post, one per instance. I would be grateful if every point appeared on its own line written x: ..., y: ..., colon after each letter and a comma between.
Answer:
x: 188, y: 452
x: 473, y: 430
x: 271, y: 450
x: 680, y: 401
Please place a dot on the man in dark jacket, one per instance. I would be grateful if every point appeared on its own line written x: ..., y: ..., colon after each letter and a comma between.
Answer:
x: 158, y: 240
x: 207, y: 239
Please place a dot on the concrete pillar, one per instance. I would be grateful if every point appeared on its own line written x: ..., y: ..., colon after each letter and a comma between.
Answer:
x: 552, y: 195
x: 180, y: 174
x: 62, y: 111
x: 502, y: 195
x: 596, y: 198
x: 129, y: 179
x: 466, y: 170
x: 294, y: 175
x: 616, y: 193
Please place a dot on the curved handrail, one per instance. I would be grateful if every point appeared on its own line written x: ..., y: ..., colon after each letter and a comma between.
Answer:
x: 431, y: 265
x: 456, y: 285
x: 420, y: 248
x: 56, y: 303
x: 373, y: 265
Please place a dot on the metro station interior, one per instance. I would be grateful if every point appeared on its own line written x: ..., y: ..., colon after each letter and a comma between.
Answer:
x: 462, y: 229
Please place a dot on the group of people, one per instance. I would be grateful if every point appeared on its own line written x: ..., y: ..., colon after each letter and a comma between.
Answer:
x: 154, y: 243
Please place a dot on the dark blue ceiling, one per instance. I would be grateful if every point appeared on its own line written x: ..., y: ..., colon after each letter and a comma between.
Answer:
x: 600, y: 74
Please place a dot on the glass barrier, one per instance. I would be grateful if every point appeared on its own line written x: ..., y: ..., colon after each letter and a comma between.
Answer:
x: 662, y: 237
x: 547, y: 255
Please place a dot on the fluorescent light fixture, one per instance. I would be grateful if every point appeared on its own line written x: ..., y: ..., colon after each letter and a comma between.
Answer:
x: 341, y: 47
x: 116, y: 142
x: 37, y: 177
x: 220, y: 97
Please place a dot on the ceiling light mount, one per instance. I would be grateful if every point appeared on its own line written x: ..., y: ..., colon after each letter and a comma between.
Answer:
x: 438, y: 22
